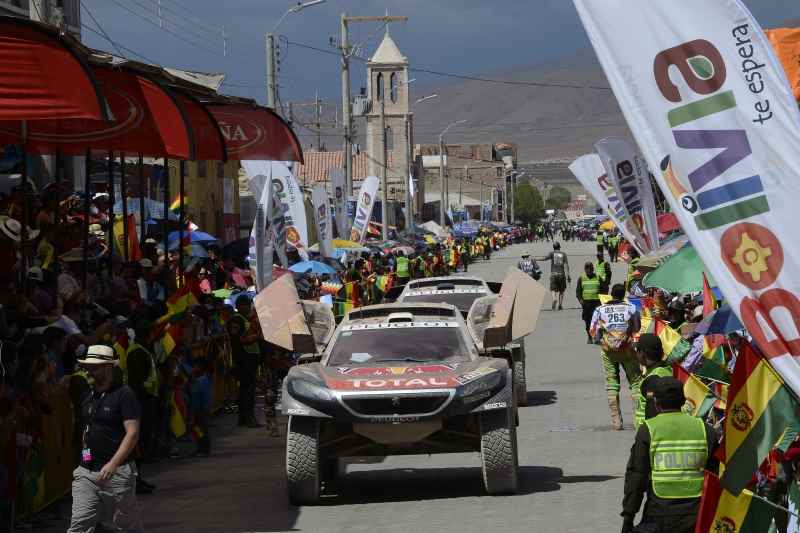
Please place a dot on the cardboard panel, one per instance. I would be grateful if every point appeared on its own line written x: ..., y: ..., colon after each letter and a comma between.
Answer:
x: 282, y: 318
x: 516, y: 311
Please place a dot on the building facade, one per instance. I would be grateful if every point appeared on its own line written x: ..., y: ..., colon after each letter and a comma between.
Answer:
x: 65, y: 14
x: 387, y: 74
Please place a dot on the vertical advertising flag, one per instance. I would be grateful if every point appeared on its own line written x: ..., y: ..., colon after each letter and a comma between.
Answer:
x: 290, y: 196
x: 592, y: 175
x: 628, y: 172
x: 322, y: 218
x: 366, y: 201
x: 339, y: 190
x: 710, y: 106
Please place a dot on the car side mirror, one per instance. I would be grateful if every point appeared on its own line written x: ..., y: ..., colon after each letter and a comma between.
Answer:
x: 308, y: 358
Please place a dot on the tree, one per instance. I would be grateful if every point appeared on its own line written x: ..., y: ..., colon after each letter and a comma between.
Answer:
x: 529, y: 205
x: 559, y: 198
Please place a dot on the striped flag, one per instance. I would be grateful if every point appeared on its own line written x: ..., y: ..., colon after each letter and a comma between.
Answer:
x: 383, y: 283
x: 675, y: 346
x: 699, y: 398
x: 759, y: 409
x: 721, y: 511
x: 709, y: 302
x: 714, y: 366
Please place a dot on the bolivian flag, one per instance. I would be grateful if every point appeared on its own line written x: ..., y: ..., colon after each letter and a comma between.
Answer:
x: 721, y: 511
x: 175, y: 206
x: 699, y: 398
x: 383, y: 283
x: 351, y: 293
x: 675, y: 347
x: 759, y: 409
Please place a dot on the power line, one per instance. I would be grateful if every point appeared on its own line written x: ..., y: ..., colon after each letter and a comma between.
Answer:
x: 100, y: 27
x: 186, y: 14
x: 182, y: 38
x: 466, y: 77
x: 132, y: 52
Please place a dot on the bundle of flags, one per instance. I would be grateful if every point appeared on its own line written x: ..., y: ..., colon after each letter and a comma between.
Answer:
x: 714, y: 365
x: 759, y: 409
x: 721, y: 511
x: 166, y: 330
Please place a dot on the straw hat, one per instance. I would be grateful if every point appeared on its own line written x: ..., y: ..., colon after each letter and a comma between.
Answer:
x: 96, y: 229
x: 146, y: 263
x: 99, y: 354
x: 13, y: 230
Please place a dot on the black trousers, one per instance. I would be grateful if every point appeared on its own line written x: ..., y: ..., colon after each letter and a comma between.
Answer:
x: 588, y: 310
x: 667, y: 524
x: 247, y: 396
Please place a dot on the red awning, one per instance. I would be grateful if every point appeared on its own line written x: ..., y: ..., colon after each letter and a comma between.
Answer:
x: 147, y: 118
x: 255, y: 133
x: 208, y: 141
x: 42, y: 77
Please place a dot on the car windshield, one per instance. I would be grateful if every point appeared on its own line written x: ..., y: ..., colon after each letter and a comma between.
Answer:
x: 461, y: 300
x: 399, y: 342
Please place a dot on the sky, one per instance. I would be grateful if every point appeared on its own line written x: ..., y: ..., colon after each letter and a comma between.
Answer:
x: 456, y: 36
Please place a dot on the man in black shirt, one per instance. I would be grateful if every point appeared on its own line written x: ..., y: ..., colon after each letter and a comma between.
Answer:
x: 104, y: 484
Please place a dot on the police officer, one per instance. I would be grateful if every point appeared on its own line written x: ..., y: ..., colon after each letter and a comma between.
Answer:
x: 650, y: 355
x: 603, y: 270
x: 588, y: 293
x: 402, y: 268
x: 667, y: 462
x: 600, y: 240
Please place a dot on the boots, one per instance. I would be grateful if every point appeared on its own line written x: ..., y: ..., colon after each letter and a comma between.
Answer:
x: 616, y: 415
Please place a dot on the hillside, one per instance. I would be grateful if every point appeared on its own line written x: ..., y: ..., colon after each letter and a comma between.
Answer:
x: 545, y: 122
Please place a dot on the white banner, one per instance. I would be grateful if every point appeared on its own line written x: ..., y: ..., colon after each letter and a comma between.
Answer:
x: 710, y: 106
x: 592, y: 175
x: 339, y: 189
x: 631, y: 180
x: 259, y: 174
x: 366, y: 201
x: 322, y: 217
x: 261, y: 242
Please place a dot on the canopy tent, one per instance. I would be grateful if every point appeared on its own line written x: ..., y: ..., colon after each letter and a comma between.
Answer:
x: 58, y: 82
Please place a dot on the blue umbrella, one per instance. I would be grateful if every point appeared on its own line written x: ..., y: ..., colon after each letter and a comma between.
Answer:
x: 194, y: 236
x: 195, y: 250
x: 722, y: 321
x: 314, y: 267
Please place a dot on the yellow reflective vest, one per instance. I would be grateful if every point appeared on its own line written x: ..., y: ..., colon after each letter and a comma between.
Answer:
x: 678, y: 455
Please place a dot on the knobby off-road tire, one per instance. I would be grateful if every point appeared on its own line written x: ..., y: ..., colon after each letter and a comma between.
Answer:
x: 303, y: 475
x: 520, y: 383
x: 499, y: 461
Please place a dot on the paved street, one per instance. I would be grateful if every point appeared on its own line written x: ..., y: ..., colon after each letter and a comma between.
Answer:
x: 572, y: 465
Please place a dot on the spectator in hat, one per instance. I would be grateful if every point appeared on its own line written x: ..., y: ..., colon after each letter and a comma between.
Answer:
x: 667, y: 462
x: 104, y: 484
x: 149, y: 289
x: 650, y: 355
x: 37, y: 294
x: 10, y: 236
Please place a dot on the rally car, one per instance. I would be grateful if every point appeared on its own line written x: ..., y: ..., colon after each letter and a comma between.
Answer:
x: 396, y: 379
x: 462, y: 292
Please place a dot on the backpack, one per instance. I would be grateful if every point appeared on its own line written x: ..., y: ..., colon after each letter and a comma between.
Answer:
x: 615, y: 341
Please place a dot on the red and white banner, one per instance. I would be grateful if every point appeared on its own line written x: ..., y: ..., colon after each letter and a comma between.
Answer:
x: 709, y: 104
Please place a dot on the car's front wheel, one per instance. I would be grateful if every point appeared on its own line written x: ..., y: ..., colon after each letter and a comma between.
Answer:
x: 302, y: 461
x: 499, y: 461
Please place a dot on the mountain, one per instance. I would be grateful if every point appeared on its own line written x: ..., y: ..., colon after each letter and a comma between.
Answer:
x: 544, y: 122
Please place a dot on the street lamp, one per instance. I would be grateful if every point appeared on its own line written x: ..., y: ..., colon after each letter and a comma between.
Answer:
x: 272, y: 86
x: 409, y: 199
x: 442, y: 181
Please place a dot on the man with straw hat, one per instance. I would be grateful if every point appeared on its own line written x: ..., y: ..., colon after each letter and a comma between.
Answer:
x: 104, y: 484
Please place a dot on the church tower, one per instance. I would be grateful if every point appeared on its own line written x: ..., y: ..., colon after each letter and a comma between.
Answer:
x: 387, y: 72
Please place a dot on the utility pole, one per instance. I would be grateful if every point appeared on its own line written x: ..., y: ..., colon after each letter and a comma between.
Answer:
x: 481, y: 215
x: 384, y: 178
x: 461, y: 183
x: 513, y: 196
x: 317, y: 112
x: 272, y: 88
x: 347, y: 118
x: 442, y: 182
x: 409, y: 181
